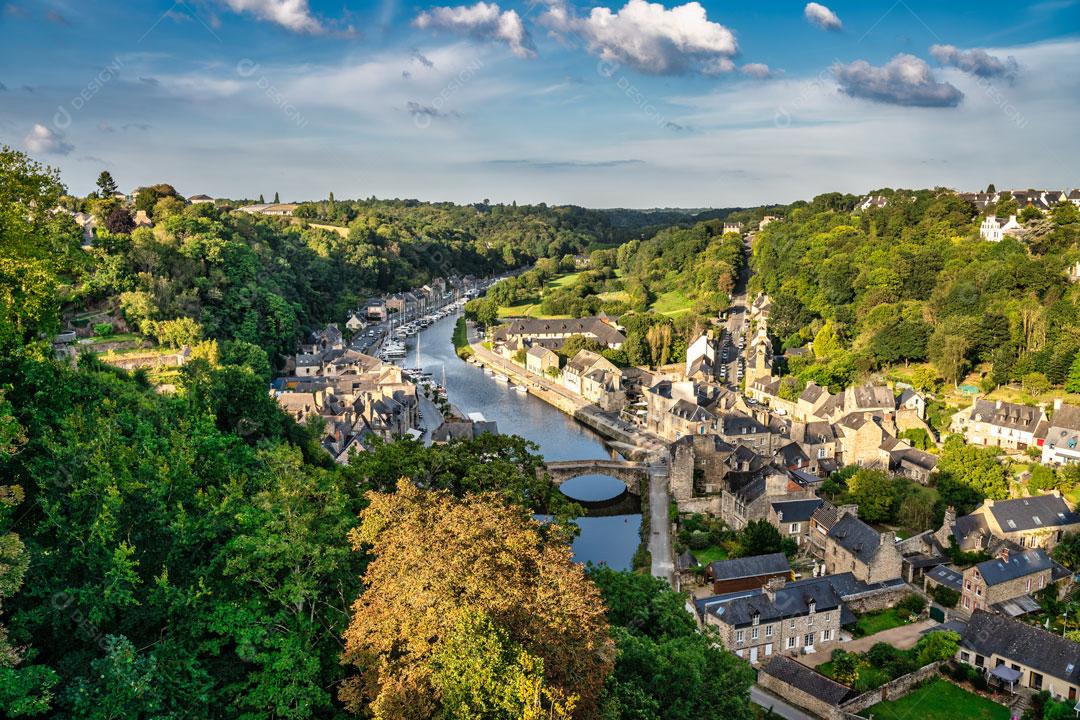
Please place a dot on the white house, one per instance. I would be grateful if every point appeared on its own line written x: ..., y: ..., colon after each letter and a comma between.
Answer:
x: 701, y: 355
x: 1062, y: 444
x: 993, y: 230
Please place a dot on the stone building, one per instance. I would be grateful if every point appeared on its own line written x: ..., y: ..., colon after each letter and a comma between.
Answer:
x: 1008, y: 576
x: 853, y: 546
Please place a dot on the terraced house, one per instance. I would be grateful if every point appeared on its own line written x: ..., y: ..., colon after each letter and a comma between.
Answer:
x: 1010, y: 575
x: 999, y: 424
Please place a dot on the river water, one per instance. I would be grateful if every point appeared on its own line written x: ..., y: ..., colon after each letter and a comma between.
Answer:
x: 609, y: 540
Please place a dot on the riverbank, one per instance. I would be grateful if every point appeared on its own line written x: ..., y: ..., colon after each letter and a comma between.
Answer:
x: 461, y: 339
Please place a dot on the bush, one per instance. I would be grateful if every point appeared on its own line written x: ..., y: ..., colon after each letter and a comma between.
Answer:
x: 912, y: 604
x: 699, y: 540
x: 946, y: 597
x: 103, y: 329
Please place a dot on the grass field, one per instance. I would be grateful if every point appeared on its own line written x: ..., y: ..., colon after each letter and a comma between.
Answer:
x: 938, y: 700
x: 710, y: 554
x: 875, y: 622
x: 532, y: 307
x: 672, y: 302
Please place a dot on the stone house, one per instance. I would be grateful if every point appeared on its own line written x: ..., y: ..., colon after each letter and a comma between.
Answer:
x: 999, y: 424
x: 741, y: 429
x: 994, y: 230
x: 810, y: 401
x: 860, y: 437
x: 1008, y: 576
x: 818, y: 440
x: 803, y: 686
x: 1040, y: 660
x: 764, y: 389
x: 797, y: 617
x: 539, y: 358
x: 1038, y: 521
x: 822, y: 521
x: 594, y: 378
x: 792, y: 518
x: 747, y: 573
x: 601, y: 329
x: 853, y: 546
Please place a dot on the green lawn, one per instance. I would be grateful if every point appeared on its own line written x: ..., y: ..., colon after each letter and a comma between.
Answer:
x: 672, y: 302
x: 710, y: 554
x: 532, y: 307
x: 118, y: 337
x: 561, y: 281
x: 938, y: 700
x: 875, y: 622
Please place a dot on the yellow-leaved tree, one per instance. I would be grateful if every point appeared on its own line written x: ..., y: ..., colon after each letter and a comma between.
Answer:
x: 471, y: 608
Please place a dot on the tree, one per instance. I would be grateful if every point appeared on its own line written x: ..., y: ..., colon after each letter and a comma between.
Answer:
x: 106, y: 185
x: 948, y: 353
x: 665, y: 668
x: 826, y: 342
x: 119, y: 221
x: 277, y: 199
x: 936, y: 646
x: 1035, y: 383
x: 177, y: 332
x: 976, y: 468
x: 926, y: 379
x: 455, y: 553
x: 262, y: 201
x: 874, y: 492
x: 1067, y: 551
x: 845, y: 667
x: 760, y: 537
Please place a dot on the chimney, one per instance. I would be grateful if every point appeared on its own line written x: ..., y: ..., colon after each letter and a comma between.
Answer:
x: 1057, y: 404
x: 772, y: 585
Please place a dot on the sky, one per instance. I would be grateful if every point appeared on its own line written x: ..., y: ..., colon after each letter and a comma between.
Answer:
x: 626, y: 103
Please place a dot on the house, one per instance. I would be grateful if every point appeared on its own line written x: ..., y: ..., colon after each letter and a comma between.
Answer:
x: 701, y: 357
x: 818, y: 440
x: 792, y: 518
x: 766, y: 220
x: 802, y: 616
x: 198, y: 199
x: 747, y: 572
x: 911, y: 463
x: 354, y: 323
x: 1074, y: 197
x: 853, y: 546
x: 455, y: 428
x: 993, y: 230
x: 538, y: 359
x: 595, y: 378
x: 860, y: 437
x: 810, y: 401
x: 822, y: 521
x: 1006, y: 577
x: 999, y: 424
x: 742, y: 429
x: 600, y: 329
x: 1030, y: 522
x: 141, y: 219
x: 1038, y: 659
x: 375, y: 309
x: 872, y: 201
x: 1062, y: 436
x: 760, y: 361
x: 277, y: 209
x: 764, y: 389
x: 760, y: 307
x: 732, y: 227
x: 676, y: 409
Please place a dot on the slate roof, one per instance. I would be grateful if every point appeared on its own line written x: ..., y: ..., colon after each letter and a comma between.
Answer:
x: 967, y: 525
x: 812, y: 393
x: 992, y: 634
x: 1064, y: 427
x: 797, y: 510
x: 792, y: 600
x: 826, y: 515
x: 998, y: 570
x: 526, y: 327
x: 856, y: 537
x: 1032, y: 513
x: 690, y: 411
x: 873, y: 396
x: 739, y: 424
x: 810, y: 681
x: 1007, y: 415
x: 749, y: 567
x: 945, y: 575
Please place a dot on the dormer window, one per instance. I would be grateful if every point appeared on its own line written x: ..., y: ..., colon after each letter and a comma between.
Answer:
x: 812, y: 606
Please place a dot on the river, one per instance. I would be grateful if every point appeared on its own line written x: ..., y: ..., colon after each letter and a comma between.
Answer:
x: 609, y: 540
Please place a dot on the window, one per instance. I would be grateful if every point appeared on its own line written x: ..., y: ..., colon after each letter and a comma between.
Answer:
x: 794, y: 528
x: 790, y: 643
x: 828, y: 617
x: 756, y: 619
x: 826, y: 635
x: 768, y: 650
x: 810, y: 619
x: 813, y: 606
x: 739, y: 653
x: 754, y: 634
x: 791, y: 625
x: 980, y: 661
x: 808, y: 641
x: 1042, y: 582
x: 739, y: 637
x: 965, y: 657
x: 768, y: 631
x: 967, y: 603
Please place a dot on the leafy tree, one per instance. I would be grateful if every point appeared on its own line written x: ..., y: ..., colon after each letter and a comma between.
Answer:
x: 458, y: 566
x: 874, y: 492
x: 936, y: 646
x: 945, y: 596
x: 106, y: 186
x: 1035, y: 383
x: 759, y: 537
x: 972, y: 467
x: 845, y: 667
x: 175, y: 333
x: 926, y: 379
x: 665, y: 668
x: 1067, y: 551
x: 277, y: 198
x: 119, y: 221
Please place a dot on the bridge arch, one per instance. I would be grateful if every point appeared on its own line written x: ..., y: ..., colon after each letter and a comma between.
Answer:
x: 634, y: 475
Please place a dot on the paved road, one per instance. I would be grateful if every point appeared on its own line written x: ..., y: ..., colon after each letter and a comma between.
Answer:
x: 659, y: 525
x: 765, y: 699
x: 737, y: 322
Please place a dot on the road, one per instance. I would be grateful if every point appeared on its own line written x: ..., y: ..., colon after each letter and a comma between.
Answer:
x: 659, y: 524
x: 737, y: 323
x: 762, y: 697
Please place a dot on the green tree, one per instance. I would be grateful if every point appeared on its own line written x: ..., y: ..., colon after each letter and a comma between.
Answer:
x: 976, y: 468
x: 106, y: 186
x: 760, y: 537
x: 845, y: 667
x: 874, y: 492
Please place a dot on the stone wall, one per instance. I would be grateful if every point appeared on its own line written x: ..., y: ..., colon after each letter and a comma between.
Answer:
x: 891, y: 690
x: 877, y: 599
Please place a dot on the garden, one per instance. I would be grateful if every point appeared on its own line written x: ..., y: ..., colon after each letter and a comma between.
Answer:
x: 938, y: 699
x: 883, y: 662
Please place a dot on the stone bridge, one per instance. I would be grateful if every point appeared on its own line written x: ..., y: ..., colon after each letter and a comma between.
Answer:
x: 634, y: 475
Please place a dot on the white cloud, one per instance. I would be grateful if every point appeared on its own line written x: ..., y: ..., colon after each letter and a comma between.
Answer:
x: 43, y: 140
x: 904, y: 80
x: 822, y: 16
x: 649, y: 37
x: 485, y: 21
x: 975, y: 61
x: 292, y: 14
x: 756, y: 70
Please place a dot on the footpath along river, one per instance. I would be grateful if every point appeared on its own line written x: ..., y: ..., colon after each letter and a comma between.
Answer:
x: 609, y: 540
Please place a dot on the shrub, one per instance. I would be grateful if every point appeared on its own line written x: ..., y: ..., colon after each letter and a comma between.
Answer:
x: 912, y: 604
x: 946, y: 597
x: 103, y: 329
x: 699, y: 540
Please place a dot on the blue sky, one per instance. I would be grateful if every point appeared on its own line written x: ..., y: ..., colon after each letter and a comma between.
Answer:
x: 623, y: 103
